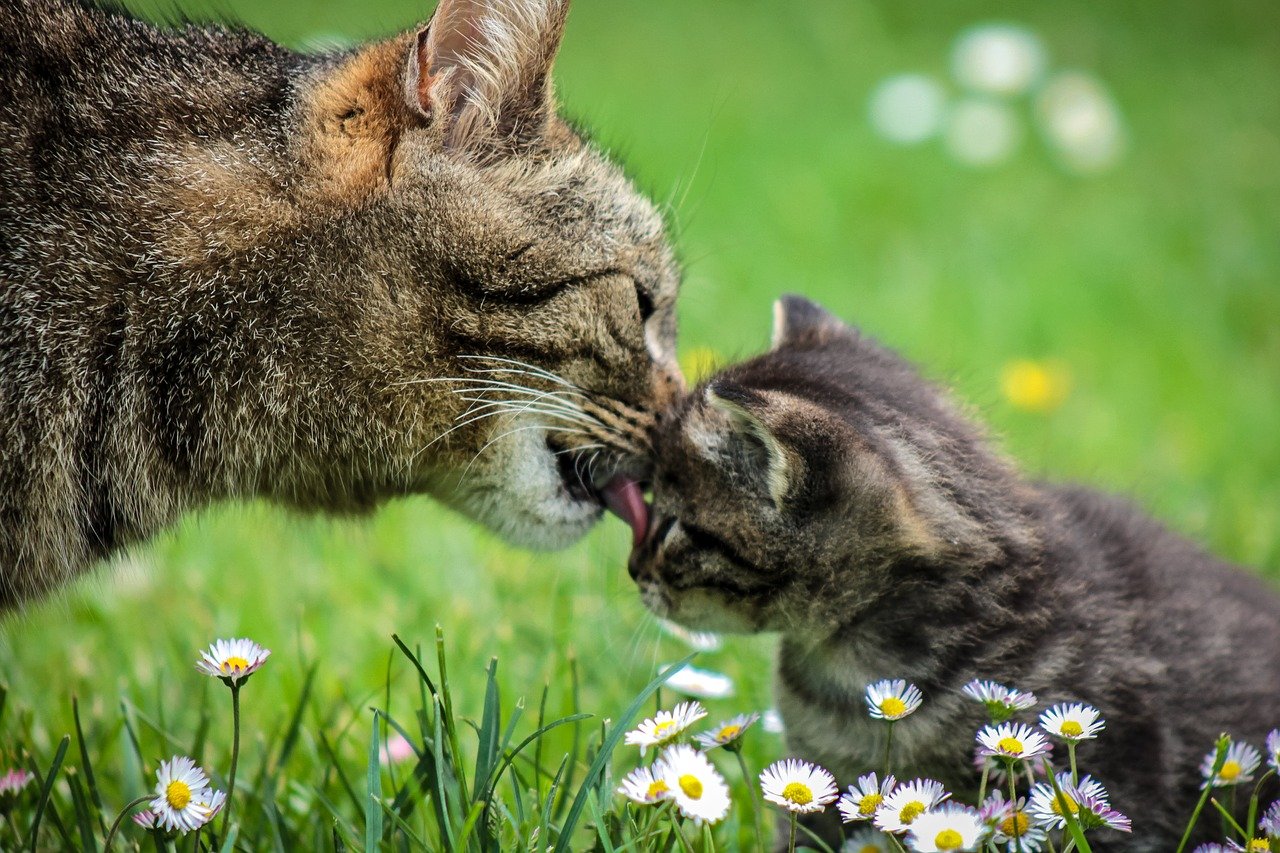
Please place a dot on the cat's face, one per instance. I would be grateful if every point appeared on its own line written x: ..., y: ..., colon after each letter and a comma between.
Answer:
x: 522, y: 305
x: 799, y: 487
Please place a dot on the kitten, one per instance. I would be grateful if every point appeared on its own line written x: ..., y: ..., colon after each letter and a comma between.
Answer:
x: 826, y: 492
x: 229, y: 270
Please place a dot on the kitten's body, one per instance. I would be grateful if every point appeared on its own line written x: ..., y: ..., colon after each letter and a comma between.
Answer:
x: 825, y: 491
x: 231, y: 270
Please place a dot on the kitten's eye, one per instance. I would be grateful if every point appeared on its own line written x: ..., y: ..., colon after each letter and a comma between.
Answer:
x: 645, y: 301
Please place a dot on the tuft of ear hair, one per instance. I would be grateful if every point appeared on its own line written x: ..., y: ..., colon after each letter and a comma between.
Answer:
x: 798, y: 322
x: 484, y: 67
x: 747, y: 425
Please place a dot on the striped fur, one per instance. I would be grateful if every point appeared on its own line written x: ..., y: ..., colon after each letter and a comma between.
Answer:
x: 902, y: 546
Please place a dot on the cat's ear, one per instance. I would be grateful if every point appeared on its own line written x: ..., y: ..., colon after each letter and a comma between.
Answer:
x: 741, y: 411
x: 484, y: 67
x: 797, y: 322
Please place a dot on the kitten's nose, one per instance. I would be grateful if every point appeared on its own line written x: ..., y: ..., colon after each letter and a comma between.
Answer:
x: 644, y: 555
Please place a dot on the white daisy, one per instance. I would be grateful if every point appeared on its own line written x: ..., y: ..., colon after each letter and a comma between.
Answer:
x: 145, y: 819
x: 1242, y: 760
x: 1072, y: 723
x: 699, y: 683
x: 1086, y: 800
x: 861, y: 800
x: 1273, y: 749
x: 949, y: 828
x: 14, y: 781
x: 1010, y: 824
x: 699, y: 641
x: 1269, y: 823
x: 183, y: 801
x: 665, y: 725
x: 642, y: 786
x: 232, y: 660
x: 771, y: 722
x: 892, y: 699
x: 1012, y: 741
x: 1001, y: 702
x: 727, y: 733
x: 696, y: 786
x: 867, y: 841
x: 798, y: 786
x: 907, y: 802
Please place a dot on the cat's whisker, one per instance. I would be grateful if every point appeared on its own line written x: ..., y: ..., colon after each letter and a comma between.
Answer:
x: 524, y: 367
x: 517, y: 407
x: 568, y: 430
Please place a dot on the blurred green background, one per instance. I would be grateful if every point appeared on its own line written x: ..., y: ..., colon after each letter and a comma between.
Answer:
x: 1119, y: 326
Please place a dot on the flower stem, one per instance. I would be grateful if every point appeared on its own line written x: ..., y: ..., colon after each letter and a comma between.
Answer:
x: 756, y: 806
x: 1253, y: 806
x: 1219, y: 758
x: 982, y: 786
x: 791, y: 842
x: 235, y: 754
x: 1071, y: 752
x: 120, y: 817
x: 1013, y: 804
x: 888, y: 746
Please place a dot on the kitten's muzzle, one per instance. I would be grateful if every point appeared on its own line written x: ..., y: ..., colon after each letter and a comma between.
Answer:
x: 644, y: 556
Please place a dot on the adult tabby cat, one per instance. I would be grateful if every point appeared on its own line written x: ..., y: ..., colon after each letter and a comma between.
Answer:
x: 231, y: 270
x: 825, y: 491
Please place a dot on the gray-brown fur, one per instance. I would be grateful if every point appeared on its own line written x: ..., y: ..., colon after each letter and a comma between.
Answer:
x: 825, y: 491
x: 231, y: 270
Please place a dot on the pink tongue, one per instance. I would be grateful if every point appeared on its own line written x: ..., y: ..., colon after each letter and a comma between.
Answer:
x: 622, y: 495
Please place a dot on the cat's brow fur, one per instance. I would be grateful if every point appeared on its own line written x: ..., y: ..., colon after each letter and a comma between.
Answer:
x: 230, y: 270
x: 903, y: 546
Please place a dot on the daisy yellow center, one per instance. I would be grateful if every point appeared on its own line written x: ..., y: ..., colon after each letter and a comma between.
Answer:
x: 798, y: 793
x: 178, y: 794
x: 656, y: 789
x: 1261, y: 845
x: 1071, y: 729
x: 1015, y: 825
x: 729, y: 732
x: 663, y: 728
x: 910, y: 812
x: 1011, y: 745
x: 1230, y: 771
x: 948, y: 839
x: 868, y: 804
x: 692, y: 786
x: 233, y: 663
x: 893, y: 707
x: 1072, y: 805
x: 870, y: 848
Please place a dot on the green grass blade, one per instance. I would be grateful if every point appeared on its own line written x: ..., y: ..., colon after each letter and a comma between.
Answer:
x: 490, y: 721
x: 86, y: 765
x: 84, y: 816
x: 574, y: 707
x: 606, y: 750
x: 373, y: 794
x: 229, y: 843
x: 46, y: 791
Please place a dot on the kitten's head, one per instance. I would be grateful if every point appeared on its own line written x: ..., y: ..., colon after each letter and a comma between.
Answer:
x: 809, y: 483
x: 500, y: 286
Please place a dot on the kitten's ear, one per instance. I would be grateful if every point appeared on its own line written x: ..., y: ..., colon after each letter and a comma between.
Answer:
x: 797, y: 322
x: 737, y: 406
x: 484, y: 67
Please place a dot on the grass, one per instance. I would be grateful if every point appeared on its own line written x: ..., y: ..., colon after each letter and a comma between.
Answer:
x: 1155, y: 284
